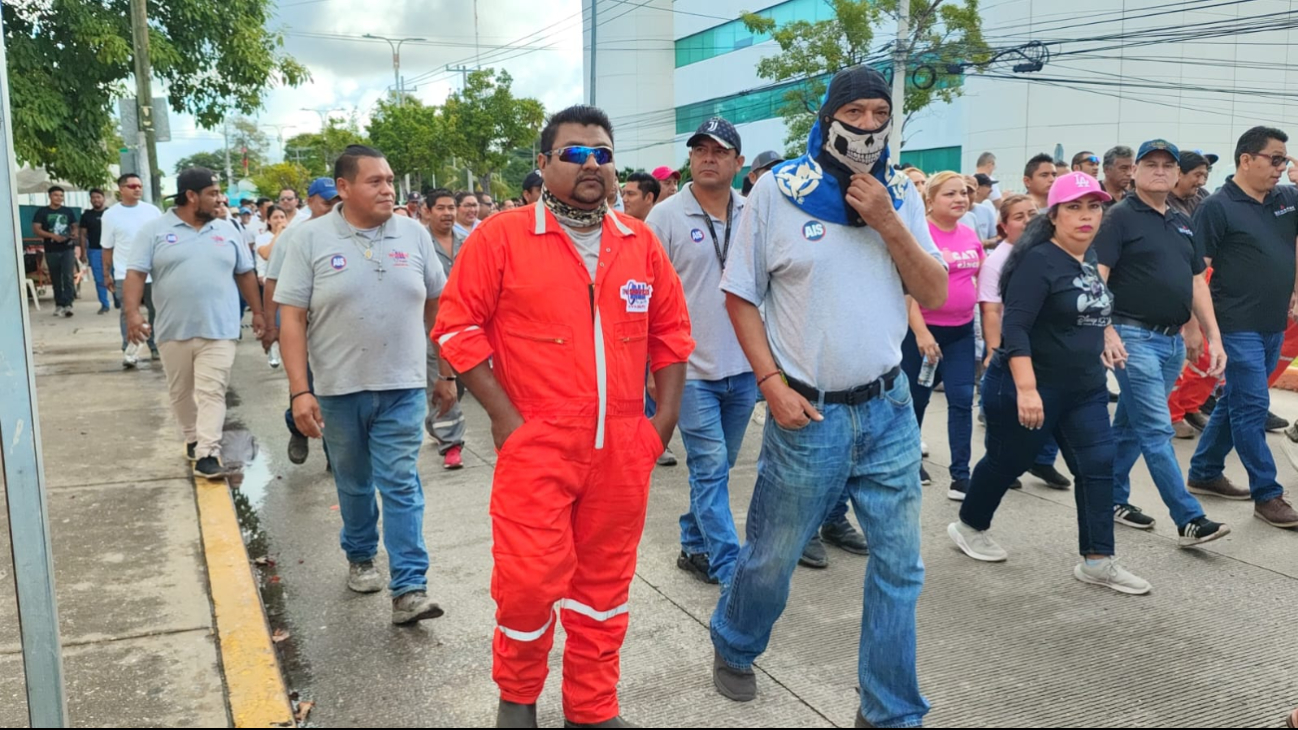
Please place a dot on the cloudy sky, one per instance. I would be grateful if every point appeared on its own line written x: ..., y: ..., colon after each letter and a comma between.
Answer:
x: 349, y: 72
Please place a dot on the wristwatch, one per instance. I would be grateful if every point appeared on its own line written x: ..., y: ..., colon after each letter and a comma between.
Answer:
x: 449, y: 378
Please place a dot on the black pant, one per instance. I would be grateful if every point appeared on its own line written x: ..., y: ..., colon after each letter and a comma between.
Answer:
x: 62, y: 266
x: 1079, y: 421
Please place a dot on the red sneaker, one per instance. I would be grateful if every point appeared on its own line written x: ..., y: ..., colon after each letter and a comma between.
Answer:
x: 452, y: 459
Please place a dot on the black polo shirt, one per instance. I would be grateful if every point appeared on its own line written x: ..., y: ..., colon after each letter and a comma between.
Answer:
x: 1251, y: 246
x: 1152, y: 260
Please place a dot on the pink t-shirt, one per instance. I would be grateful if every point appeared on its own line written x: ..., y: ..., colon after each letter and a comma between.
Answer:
x: 964, y: 254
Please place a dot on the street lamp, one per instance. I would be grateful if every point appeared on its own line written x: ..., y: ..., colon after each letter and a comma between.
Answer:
x: 324, y: 114
x: 395, y: 43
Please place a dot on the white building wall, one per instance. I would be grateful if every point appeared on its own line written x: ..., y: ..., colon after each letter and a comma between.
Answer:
x: 1090, y: 96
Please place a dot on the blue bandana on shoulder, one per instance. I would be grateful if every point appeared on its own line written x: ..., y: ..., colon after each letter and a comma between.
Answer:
x: 808, y: 186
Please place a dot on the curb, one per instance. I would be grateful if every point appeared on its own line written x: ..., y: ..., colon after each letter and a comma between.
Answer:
x: 255, y: 688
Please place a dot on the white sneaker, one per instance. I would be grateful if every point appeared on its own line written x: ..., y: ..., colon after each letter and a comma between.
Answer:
x: 273, y: 356
x: 923, y: 449
x: 977, y: 544
x: 1111, y: 575
x: 58, y: 311
x: 131, y: 358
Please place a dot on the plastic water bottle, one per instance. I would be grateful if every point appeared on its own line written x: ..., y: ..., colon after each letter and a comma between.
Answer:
x: 273, y: 356
x: 928, y: 373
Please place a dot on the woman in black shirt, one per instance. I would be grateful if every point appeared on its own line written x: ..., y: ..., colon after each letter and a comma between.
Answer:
x: 1048, y: 378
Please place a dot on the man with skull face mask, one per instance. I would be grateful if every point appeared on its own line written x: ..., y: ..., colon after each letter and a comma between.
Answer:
x: 823, y: 239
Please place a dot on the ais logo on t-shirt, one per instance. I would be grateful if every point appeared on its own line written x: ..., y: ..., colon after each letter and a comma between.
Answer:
x: 813, y: 230
x: 171, y: 238
x: 338, y: 263
x: 696, y: 235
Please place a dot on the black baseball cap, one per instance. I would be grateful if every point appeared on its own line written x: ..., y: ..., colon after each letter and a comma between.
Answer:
x: 196, y: 179
x: 533, y: 180
x: 985, y: 180
x: 766, y: 159
x: 720, y: 130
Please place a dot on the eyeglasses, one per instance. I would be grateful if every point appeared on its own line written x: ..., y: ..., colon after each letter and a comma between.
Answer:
x: 1092, y: 159
x: 578, y: 154
x: 134, y: 187
x: 1276, y: 160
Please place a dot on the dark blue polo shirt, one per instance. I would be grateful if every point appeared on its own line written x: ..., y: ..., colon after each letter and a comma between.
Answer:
x: 1152, y: 259
x: 1251, y: 246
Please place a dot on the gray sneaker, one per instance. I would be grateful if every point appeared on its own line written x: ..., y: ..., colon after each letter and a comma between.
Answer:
x: 414, y: 607
x: 667, y: 458
x: 364, y: 577
x: 1111, y: 575
x: 739, y: 685
x: 977, y: 544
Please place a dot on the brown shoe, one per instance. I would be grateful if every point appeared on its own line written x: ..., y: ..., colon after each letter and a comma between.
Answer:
x: 1184, y: 430
x: 1276, y: 512
x: 1293, y: 719
x: 1219, y: 487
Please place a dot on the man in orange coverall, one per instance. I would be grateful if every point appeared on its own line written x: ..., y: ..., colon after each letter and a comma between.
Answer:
x: 570, y: 301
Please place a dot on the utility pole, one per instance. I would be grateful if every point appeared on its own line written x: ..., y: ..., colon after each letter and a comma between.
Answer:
x: 395, y: 44
x: 477, y: 49
x: 463, y: 70
x: 900, y: 51
x: 594, y: 5
x: 144, y: 151
x: 229, y: 173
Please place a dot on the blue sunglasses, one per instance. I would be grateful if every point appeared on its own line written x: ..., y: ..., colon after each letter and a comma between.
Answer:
x: 578, y: 154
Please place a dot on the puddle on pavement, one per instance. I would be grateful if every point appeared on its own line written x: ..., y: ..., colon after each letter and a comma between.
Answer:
x: 249, y: 478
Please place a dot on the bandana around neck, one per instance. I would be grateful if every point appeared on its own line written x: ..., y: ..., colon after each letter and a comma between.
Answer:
x: 570, y: 216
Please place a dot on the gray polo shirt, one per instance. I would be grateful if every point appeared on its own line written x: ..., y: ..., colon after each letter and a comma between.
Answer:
x: 276, y: 261
x: 681, y: 226
x: 364, y: 333
x: 834, y: 303
x: 193, y: 274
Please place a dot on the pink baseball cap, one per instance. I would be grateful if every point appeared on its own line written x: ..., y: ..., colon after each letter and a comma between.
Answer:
x: 663, y: 172
x: 1074, y: 185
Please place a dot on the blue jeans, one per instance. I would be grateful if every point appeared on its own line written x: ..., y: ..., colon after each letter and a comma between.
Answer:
x: 1143, y: 424
x: 1239, y: 420
x: 1079, y: 421
x: 95, y: 257
x: 956, y: 369
x: 873, y: 449
x: 714, y: 417
x: 373, y: 439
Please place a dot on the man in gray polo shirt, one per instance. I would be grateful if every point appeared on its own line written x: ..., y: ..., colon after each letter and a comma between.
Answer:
x: 199, y: 266
x: 830, y: 244
x: 359, y: 291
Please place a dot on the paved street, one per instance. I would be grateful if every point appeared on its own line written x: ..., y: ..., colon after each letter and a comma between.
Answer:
x: 1019, y: 644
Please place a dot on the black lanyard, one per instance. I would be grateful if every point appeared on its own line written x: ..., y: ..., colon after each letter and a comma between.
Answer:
x: 721, y: 251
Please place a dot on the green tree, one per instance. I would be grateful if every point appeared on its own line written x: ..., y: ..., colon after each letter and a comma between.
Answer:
x: 941, y: 32
x: 214, y: 161
x: 274, y: 178
x: 409, y: 134
x: 317, y: 151
x: 247, y: 140
x: 69, y: 60
x: 485, y: 121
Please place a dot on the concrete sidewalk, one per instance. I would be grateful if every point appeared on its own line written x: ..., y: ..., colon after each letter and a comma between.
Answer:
x: 138, y: 629
x: 1020, y: 644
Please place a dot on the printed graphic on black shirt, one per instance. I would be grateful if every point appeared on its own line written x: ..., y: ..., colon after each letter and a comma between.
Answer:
x: 1095, y: 303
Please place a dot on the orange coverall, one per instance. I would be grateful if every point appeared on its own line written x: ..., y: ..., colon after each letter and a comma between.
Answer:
x: 572, y: 483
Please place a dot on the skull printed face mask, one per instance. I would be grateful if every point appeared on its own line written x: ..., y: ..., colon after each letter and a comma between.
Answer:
x: 856, y: 149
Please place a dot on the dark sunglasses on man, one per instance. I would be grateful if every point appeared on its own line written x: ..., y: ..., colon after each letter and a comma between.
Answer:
x: 578, y: 154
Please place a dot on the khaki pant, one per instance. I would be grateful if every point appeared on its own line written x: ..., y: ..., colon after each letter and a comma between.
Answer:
x: 198, y: 372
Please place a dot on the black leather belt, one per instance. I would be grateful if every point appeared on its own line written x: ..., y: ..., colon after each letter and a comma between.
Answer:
x: 1157, y: 328
x: 851, y: 396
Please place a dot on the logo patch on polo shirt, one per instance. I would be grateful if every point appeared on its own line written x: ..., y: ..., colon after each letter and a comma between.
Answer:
x: 219, y: 239
x: 696, y: 235
x: 813, y: 230
x: 1284, y: 210
x: 338, y: 263
x: 1186, y: 231
x: 636, y: 294
x: 171, y: 238
x: 399, y: 258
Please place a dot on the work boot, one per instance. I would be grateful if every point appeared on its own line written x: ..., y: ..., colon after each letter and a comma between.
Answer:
x: 1197, y: 421
x: 739, y: 685
x: 696, y: 565
x: 298, y: 448
x: 613, y: 722
x: 1292, y: 432
x: 1051, y: 476
x: 512, y: 714
x: 414, y: 607
x: 1276, y: 512
x: 1222, y: 487
x: 861, y: 721
x: 363, y: 577
x: 1183, y: 430
x: 813, y: 555
x: 1275, y: 423
x: 845, y: 537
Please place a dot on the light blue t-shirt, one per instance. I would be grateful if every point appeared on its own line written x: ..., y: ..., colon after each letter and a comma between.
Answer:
x: 193, y: 276
x: 833, y: 298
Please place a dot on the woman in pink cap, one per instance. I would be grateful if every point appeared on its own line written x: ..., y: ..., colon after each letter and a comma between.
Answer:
x: 1048, y: 378
x: 944, y: 337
